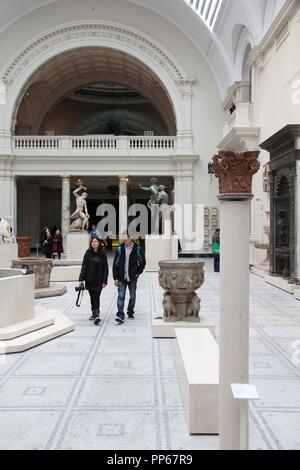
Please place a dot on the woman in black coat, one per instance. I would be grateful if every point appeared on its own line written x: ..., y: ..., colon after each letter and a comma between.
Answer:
x: 47, y: 245
x: 94, y: 272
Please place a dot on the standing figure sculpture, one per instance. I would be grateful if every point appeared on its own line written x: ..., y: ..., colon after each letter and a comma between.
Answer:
x: 154, y: 199
x: 5, y: 232
x: 163, y: 196
x: 81, y: 216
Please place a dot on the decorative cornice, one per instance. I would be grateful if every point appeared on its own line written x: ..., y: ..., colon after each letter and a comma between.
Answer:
x: 286, y: 136
x: 185, y: 86
x: 86, y: 31
x: 235, y: 171
x: 257, y: 54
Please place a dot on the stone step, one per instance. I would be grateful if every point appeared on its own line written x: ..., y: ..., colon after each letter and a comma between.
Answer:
x: 61, y: 326
x: 41, y: 320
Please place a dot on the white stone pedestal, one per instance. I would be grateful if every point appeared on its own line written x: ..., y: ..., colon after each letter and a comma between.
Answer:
x: 77, y: 243
x: 22, y: 324
x: 162, y: 329
x: 160, y: 248
x: 8, y: 252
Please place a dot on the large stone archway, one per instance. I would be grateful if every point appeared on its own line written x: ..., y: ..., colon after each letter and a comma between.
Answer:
x: 169, y: 72
x: 65, y: 73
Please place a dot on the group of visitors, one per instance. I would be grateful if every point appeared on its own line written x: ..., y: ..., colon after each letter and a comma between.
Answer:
x: 52, y: 242
x: 129, y: 263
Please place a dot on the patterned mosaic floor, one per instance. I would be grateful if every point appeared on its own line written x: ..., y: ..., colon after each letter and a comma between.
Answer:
x: 113, y: 387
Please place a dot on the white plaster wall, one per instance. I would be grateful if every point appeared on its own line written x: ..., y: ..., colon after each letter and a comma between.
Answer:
x: 279, y: 98
x: 276, y: 96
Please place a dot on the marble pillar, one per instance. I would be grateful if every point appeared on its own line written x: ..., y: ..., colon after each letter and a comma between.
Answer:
x: 123, y: 205
x: 65, y: 207
x: 235, y: 172
x: 183, y: 201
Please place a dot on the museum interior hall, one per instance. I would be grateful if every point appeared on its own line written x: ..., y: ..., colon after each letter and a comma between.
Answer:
x: 154, y: 145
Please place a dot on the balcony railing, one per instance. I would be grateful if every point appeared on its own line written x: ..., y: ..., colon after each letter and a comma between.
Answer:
x: 93, y: 144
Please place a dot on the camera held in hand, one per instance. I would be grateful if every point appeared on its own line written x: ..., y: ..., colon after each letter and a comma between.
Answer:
x: 80, y: 287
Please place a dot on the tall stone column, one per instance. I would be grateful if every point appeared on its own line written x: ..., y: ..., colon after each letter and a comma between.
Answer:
x: 65, y: 207
x: 183, y: 204
x: 123, y: 205
x: 235, y: 172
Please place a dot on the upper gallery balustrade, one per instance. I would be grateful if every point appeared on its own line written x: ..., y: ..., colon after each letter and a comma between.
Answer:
x: 70, y: 145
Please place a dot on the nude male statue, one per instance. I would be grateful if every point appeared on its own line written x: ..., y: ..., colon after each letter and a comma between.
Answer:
x: 81, y: 215
x: 154, y: 199
x: 163, y: 196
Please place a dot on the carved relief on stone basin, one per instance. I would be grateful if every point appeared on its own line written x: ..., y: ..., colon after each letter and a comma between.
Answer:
x: 41, y: 268
x: 180, y: 280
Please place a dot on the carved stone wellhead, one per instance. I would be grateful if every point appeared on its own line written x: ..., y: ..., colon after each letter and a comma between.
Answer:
x: 180, y: 280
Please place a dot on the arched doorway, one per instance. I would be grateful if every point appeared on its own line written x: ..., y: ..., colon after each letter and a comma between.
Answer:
x: 95, y: 90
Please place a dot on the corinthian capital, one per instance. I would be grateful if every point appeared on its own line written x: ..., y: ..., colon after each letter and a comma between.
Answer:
x: 235, y: 171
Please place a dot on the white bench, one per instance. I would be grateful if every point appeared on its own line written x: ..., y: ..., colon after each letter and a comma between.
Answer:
x: 199, y: 379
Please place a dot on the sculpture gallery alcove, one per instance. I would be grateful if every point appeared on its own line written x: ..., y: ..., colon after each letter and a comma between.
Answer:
x: 284, y: 152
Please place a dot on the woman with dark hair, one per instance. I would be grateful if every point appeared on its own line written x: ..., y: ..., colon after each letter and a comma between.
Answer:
x: 94, y: 272
x: 47, y: 245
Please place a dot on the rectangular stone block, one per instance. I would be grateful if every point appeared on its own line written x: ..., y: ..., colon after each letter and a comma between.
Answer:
x: 77, y: 244
x: 199, y: 383
x: 17, y: 298
x: 8, y: 252
x: 159, y: 248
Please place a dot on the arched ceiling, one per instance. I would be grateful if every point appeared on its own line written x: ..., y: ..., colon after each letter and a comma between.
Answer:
x: 75, y: 68
x: 208, y: 24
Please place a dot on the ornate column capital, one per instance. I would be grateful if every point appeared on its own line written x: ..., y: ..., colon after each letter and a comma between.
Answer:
x: 235, y: 171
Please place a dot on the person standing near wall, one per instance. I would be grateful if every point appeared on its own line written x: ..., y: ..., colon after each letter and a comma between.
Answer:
x: 216, y: 250
x: 94, y: 272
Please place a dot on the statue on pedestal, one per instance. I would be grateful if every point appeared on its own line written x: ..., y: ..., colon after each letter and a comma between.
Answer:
x: 5, y: 232
x: 158, y: 203
x: 81, y: 216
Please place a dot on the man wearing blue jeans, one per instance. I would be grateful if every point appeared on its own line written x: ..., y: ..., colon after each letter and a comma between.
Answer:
x: 129, y: 263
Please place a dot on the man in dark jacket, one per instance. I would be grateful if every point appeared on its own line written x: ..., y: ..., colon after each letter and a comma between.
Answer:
x: 129, y: 263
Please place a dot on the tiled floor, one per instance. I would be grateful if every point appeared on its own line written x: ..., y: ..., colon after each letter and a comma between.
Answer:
x: 113, y: 387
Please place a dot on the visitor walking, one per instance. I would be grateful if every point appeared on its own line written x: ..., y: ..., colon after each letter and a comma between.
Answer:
x: 44, y: 235
x: 94, y: 272
x: 57, y: 246
x: 47, y: 245
x: 216, y: 250
x: 129, y: 263
x: 95, y: 233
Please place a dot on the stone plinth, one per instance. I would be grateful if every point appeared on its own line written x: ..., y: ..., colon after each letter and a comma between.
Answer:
x: 180, y: 279
x: 159, y: 248
x: 77, y: 243
x: 39, y: 266
x: 8, y: 252
x: 17, y: 297
x: 22, y: 324
x: 24, y: 246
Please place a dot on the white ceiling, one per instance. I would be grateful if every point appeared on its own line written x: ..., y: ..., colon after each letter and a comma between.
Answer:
x: 208, y: 23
